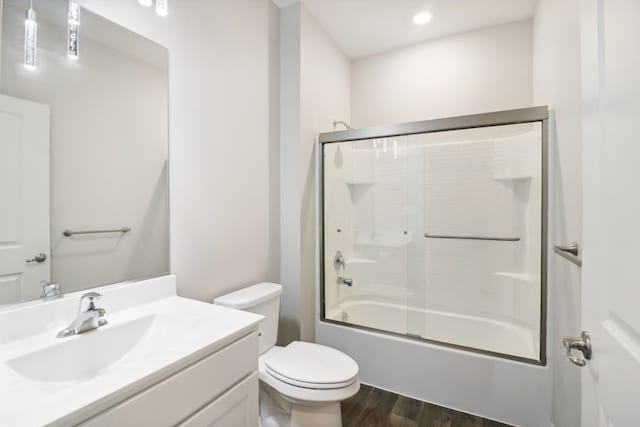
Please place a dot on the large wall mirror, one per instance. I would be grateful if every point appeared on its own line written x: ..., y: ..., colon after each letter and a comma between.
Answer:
x: 83, y: 153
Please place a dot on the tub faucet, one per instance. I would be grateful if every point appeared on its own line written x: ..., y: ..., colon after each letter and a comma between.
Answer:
x: 345, y: 281
x: 86, y: 320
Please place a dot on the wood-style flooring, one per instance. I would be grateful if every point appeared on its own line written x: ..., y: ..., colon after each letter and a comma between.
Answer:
x: 373, y: 407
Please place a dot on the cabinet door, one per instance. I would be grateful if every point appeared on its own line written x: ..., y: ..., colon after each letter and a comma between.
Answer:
x: 172, y: 400
x: 236, y: 408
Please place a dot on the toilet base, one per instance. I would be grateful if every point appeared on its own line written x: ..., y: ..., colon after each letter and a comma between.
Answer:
x: 328, y: 415
x: 277, y: 411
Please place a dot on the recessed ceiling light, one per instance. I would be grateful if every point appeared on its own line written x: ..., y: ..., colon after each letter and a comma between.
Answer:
x: 422, y: 18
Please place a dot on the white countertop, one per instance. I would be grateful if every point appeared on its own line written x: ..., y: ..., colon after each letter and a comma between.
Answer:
x: 173, y: 333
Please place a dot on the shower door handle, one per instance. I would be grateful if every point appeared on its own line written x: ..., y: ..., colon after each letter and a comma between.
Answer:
x: 582, y: 344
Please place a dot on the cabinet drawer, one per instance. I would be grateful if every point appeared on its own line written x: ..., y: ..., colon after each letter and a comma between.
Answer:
x: 177, y: 397
x: 236, y: 408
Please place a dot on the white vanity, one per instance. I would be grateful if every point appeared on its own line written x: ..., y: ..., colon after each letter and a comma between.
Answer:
x: 161, y: 360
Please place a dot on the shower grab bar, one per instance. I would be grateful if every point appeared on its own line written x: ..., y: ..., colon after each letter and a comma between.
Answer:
x: 462, y: 237
x: 69, y: 233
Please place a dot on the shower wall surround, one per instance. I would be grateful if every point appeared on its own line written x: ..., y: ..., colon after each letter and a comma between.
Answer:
x: 441, y: 234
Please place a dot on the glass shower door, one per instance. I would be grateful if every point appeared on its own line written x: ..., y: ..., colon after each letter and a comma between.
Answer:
x: 365, y: 233
x: 479, y: 196
x: 439, y: 235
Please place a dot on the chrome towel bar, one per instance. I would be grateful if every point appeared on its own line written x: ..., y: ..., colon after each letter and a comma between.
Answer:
x: 462, y: 237
x: 69, y: 233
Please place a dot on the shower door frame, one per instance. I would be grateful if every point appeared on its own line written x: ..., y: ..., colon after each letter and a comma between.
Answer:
x: 498, y: 118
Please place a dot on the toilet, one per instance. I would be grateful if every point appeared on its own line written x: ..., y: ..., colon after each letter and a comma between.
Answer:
x: 302, y: 384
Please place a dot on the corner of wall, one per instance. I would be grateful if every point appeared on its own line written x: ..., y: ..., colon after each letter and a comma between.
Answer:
x: 289, y: 64
x: 274, y: 274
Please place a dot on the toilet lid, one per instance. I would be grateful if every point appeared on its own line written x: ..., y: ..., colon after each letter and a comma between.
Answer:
x: 311, y: 365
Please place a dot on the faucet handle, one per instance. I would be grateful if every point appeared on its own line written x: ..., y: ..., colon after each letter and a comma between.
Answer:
x: 91, y: 296
x: 50, y: 290
x: 338, y: 261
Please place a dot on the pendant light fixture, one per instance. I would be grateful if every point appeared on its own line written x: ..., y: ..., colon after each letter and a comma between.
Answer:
x: 30, y: 38
x: 73, y: 29
x: 162, y: 7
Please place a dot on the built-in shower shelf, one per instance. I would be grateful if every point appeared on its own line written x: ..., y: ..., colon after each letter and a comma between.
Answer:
x: 360, y: 182
x: 520, y: 178
x: 354, y: 261
x: 521, y: 278
x: 358, y: 188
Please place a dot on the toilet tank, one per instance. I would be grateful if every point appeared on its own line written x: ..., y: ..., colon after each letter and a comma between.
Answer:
x: 264, y: 299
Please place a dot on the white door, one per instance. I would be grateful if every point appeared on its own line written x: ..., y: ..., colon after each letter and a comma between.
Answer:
x: 24, y: 199
x: 611, y: 257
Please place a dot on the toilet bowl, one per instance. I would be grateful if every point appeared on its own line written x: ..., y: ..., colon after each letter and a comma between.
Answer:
x: 302, y: 384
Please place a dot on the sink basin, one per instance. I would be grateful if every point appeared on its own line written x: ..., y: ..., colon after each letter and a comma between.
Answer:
x: 81, y: 357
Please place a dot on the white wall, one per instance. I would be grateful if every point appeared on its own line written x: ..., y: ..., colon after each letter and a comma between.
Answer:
x: 315, y: 89
x: 557, y: 82
x: 109, y: 149
x: 479, y: 71
x: 325, y: 96
x: 222, y: 183
x: 224, y: 188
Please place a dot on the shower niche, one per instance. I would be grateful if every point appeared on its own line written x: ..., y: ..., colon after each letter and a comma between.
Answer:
x: 436, y: 230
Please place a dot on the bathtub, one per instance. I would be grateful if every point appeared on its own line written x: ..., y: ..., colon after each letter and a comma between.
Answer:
x: 477, y: 383
x: 474, y: 332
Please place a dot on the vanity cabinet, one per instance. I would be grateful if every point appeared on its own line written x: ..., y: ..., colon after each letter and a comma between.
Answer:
x: 220, y: 390
x: 237, y: 407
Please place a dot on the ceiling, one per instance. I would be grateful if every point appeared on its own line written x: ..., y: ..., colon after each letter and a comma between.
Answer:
x: 366, y: 27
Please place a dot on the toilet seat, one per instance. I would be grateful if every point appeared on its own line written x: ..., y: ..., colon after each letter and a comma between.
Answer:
x: 315, y: 366
x: 303, y: 394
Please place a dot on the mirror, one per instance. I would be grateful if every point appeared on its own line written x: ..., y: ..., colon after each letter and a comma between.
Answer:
x: 83, y: 154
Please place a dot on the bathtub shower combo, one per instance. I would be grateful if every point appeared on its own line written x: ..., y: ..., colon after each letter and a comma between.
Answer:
x: 436, y: 231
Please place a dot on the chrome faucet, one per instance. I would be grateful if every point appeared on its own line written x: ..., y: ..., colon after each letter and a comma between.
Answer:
x: 86, y: 320
x: 345, y: 281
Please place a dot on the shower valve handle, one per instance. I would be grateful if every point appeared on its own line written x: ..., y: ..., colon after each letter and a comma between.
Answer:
x: 338, y: 261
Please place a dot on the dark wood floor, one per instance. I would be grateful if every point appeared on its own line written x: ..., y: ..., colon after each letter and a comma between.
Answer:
x: 373, y: 407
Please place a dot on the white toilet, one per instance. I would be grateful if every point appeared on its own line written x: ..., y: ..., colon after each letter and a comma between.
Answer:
x: 302, y: 384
